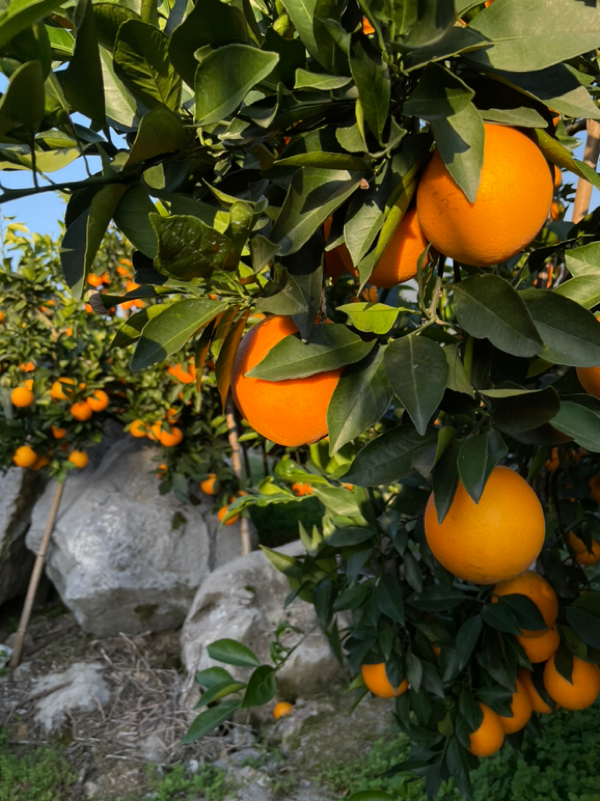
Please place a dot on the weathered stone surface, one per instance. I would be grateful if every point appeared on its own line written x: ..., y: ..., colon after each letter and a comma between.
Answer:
x: 123, y: 557
x: 80, y: 687
x: 18, y: 492
x: 243, y: 600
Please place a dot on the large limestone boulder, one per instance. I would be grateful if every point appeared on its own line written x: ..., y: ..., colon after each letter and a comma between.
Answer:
x: 123, y: 557
x: 243, y: 600
x: 18, y: 492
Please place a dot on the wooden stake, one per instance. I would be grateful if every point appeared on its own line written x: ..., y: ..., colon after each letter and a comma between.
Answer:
x: 35, y: 578
x: 237, y: 469
x: 590, y: 156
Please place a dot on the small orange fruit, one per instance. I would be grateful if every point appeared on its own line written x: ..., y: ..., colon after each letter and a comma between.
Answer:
x: 79, y: 458
x: 553, y: 462
x: 171, y: 438
x: 376, y: 680
x: 582, y: 554
x: 557, y: 176
x: 221, y: 514
x: 27, y: 367
x: 81, y: 411
x: 281, y: 709
x: 398, y: 262
x: 40, y: 462
x: 367, y: 28
x: 131, y: 286
x: 536, y: 589
x: 537, y: 702
x: 138, y: 429
x: 58, y: 433
x: 25, y: 456
x: 94, y: 280
x: 57, y: 390
x: 172, y: 417
x: 589, y: 378
x: 210, y: 485
x: 538, y: 649
x: 22, y: 397
x: 580, y: 692
x: 98, y: 401
x: 521, y: 709
x: 300, y: 489
x: 488, y: 738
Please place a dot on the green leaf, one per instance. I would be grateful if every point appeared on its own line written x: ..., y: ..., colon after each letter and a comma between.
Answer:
x: 500, y: 617
x: 525, y: 410
x: 131, y: 329
x: 210, y: 22
x: 168, y: 332
x: 418, y: 371
x: 457, y: 377
x: 585, y: 625
x: 445, y: 480
x: 120, y: 103
x: 82, y: 81
x: 374, y: 88
x: 218, y: 691
x: 224, y: 78
x: 467, y: 637
x: 303, y: 14
x: 211, y: 676
x: 388, y: 458
x: 232, y: 653
x: 27, y: 81
x: 132, y: 218
x: 366, y: 211
x: 438, y: 94
x: 329, y: 347
x: 584, y: 290
x: 526, y: 612
x: 324, y: 161
x: 436, y: 598
x: 533, y: 35
x: 323, y: 83
x: 210, y: 719
x: 477, y: 458
x: 388, y: 597
x: 579, y: 422
x: 375, y: 318
x: 370, y: 795
x: 458, y: 764
x: 558, y: 154
x: 584, y: 261
x: 488, y: 306
x: 288, y: 565
x: 460, y: 139
x: 261, y: 687
x: 21, y: 14
x: 227, y: 354
x: 188, y: 248
x: 571, y: 334
x: 108, y: 17
x: 141, y: 61
x: 161, y: 131
x: 353, y: 535
x: 314, y: 195
x: 523, y: 117
x: 361, y: 398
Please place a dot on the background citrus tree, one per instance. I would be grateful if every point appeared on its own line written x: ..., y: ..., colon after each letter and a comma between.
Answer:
x: 277, y: 158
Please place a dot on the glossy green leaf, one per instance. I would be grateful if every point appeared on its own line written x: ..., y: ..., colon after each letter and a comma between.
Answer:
x: 488, y: 306
x: 132, y: 218
x: 579, y: 422
x: 303, y: 14
x: 218, y: 691
x: 227, y: 354
x: 477, y: 458
x: 329, y: 347
x: 499, y: 616
x: 467, y: 637
x: 365, y: 214
x: 527, y: 614
x: 324, y: 83
x: 232, y: 652
x: 224, y: 78
x: 525, y: 411
x: 460, y: 139
x: 353, y: 535
x: 131, y: 329
x: 584, y: 290
x: 288, y: 565
x: 119, y: 102
x: 210, y: 719
x: 168, y: 332
x: 375, y: 318
x: 160, y: 131
x: 188, y: 248
x: 107, y: 18
x: 436, y: 598
x: 324, y: 161
x: 438, y: 94
x: 27, y: 81
x: 457, y: 377
x: 213, y: 675
x: 261, y: 687
x: 21, y: 14
x: 558, y: 154
x: 374, y: 88
x: 445, y: 480
x: 522, y: 117
x: 82, y: 81
x: 388, y: 597
x: 418, y: 372
x: 584, y: 260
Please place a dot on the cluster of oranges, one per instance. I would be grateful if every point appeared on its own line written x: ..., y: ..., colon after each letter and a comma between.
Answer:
x: 100, y: 281
x: 211, y: 486
x: 164, y: 431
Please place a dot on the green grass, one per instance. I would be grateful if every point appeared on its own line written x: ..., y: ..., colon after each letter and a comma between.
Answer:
x: 207, y: 783
x: 40, y: 775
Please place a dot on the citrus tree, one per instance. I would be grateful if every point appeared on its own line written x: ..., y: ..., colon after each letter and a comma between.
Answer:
x: 383, y: 180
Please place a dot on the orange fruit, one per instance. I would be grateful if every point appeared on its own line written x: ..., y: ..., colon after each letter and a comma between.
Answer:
x: 582, y: 554
x: 537, y: 702
x: 138, y: 428
x: 376, y: 680
x: 22, y: 397
x: 535, y: 588
x: 291, y: 412
x: 182, y: 375
x: 58, y: 433
x: 595, y: 487
x: 556, y: 210
x: 25, y: 456
x: 28, y: 384
x: 281, y: 709
x: 398, y: 262
x: 338, y: 260
x: 221, y: 514
x: 171, y: 438
x: 538, y: 649
x: 553, y: 462
x: 153, y: 432
x: 57, y: 390
x: 131, y: 286
x: 494, y: 540
x: 210, y: 485
x: 81, y: 411
x: 580, y: 692
x: 1, y: 316
x: 367, y: 28
x: 79, y: 458
x: 27, y: 367
x: 40, y: 462
x: 88, y: 308
x: 172, y: 418
x: 512, y: 203
x: 488, y: 738
x: 125, y: 271
x: 589, y: 378
x: 300, y: 489
x: 557, y: 176
x: 94, y: 280
x: 98, y: 401
x: 521, y: 709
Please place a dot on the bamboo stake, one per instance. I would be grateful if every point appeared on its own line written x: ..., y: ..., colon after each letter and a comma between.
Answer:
x: 237, y: 469
x: 590, y: 156
x: 35, y: 577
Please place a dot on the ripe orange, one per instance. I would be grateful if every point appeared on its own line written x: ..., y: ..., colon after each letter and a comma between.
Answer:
x: 79, y: 458
x: 98, y: 401
x: 25, y: 456
x: 589, y: 378
x: 210, y: 485
x: 221, y: 514
x: 28, y: 384
x: 27, y: 367
x: 57, y: 390
x: 338, y: 260
x: 40, y: 462
x: 538, y: 590
x: 488, y: 738
x: 512, y: 203
x: 124, y: 271
x: 521, y: 709
x: 290, y: 412
x: 81, y: 411
x: 553, y: 462
x: 557, y: 176
x: 281, y: 709
x: 171, y: 438
x: 376, y: 680
x: 538, y: 649
x: 182, y: 375
x: 556, y: 210
x: 582, y: 554
x: 58, y: 433
x: 491, y: 541
x: 398, y: 262
x: 172, y: 417
x: 22, y: 397
x: 300, y: 489
x: 94, y: 280
x: 537, y: 702
x: 138, y: 428
x: 367, y: 28
x: 580, y: 692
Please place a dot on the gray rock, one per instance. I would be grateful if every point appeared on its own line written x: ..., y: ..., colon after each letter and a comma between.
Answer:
x: 5, y: 655
x: 82, y: 687
x: 243, y: 600
x: 123, y: 557
x: 19, y: 490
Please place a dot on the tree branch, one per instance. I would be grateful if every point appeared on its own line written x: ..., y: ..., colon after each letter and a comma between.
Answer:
x: 590, y: 156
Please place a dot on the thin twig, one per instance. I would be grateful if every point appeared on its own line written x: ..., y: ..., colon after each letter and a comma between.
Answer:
x: 584, y: 188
